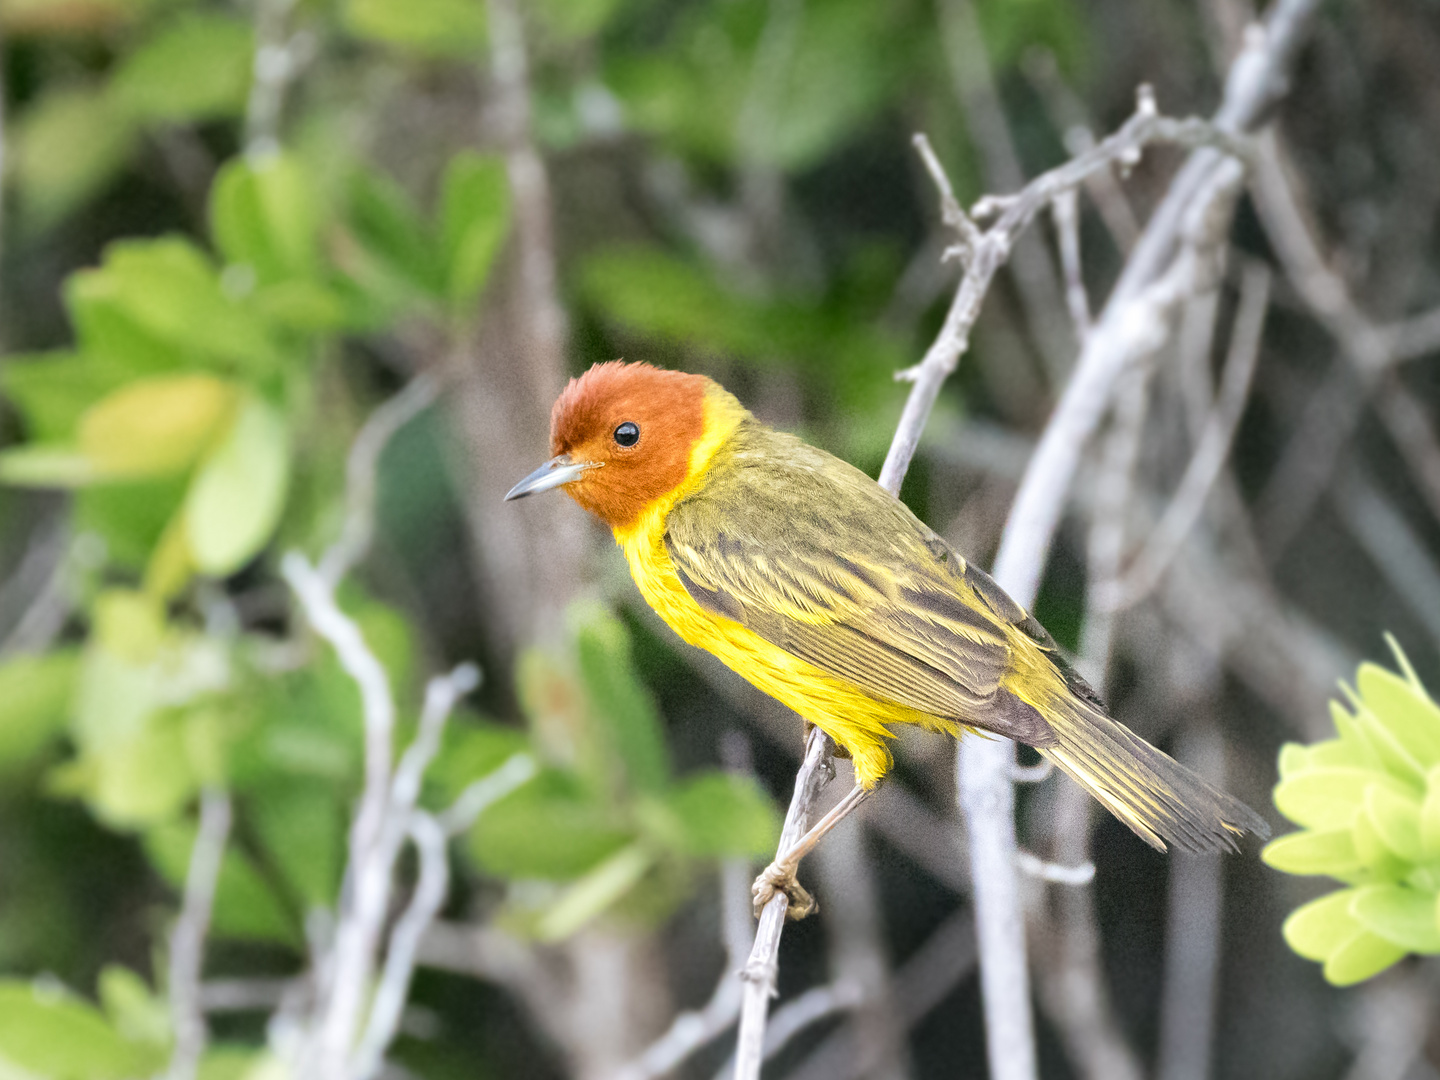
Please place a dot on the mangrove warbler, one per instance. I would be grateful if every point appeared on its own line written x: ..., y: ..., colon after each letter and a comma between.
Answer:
x: 826, y: 592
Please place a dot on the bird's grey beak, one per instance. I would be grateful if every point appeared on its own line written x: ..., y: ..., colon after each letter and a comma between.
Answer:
x: 554, y: 473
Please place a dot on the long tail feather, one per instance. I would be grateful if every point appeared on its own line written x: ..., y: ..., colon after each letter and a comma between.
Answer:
x: 1161, y: 800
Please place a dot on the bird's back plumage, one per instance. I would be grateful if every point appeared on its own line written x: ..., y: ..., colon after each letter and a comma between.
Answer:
x: 828, y: 593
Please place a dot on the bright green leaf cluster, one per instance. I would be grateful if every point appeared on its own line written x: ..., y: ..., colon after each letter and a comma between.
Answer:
x: 1369, y: 804
x: 608, y: 813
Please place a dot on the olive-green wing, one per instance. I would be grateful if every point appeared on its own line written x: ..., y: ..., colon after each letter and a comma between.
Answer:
x: 817, y: 559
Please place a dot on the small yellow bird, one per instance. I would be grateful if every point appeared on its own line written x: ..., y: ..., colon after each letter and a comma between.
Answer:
x: 825, y: 591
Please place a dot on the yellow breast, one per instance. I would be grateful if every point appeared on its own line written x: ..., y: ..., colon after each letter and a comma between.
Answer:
x: 852, y: 718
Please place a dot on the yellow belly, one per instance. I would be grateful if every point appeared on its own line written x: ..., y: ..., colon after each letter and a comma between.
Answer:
x: 849, y: 716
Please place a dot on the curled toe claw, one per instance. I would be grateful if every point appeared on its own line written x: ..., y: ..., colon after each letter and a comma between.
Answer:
x: 776, y: 879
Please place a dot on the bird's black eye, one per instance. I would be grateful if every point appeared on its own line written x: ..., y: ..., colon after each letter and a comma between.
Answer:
x: 627, y: 434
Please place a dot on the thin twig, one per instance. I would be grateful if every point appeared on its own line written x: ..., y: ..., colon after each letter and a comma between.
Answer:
x: 986, y: 252
x: 926, y: 978
x: 1193, y: 935
x: 345, y: 977
x: 761, y: 967
x: 691, y: 1030
x: 1210, y: 454
x: 480, y: 795
x: 1370, y: 351
x: 1074, y: 989
x: 809, y: 1008
x: 317, y: 598
x: 389, y: 1001
x: 1066, y: 213
x: 360, y: 474
x: 1082, y: 873
x: 1072, y: 122
x: 1393, y: 545
x: 854, y: 932
x: 1167, y: 265
x: 1031, y: 267
x: 1413, y: 337
x: 187, y: 941
x: 279, y: 56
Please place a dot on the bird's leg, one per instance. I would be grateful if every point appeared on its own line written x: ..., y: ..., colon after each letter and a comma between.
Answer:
x: 779, y: 876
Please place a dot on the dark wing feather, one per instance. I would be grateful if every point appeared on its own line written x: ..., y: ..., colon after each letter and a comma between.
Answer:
x: 815, y: 558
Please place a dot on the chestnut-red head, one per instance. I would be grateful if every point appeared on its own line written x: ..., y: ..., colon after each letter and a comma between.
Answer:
x: 622, y: 435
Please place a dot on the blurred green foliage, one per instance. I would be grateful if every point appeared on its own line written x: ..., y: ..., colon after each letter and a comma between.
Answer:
x: 1368, y: 802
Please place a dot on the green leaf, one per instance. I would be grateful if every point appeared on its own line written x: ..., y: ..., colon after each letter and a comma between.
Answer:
x: 238, y: 492
x: 621, y: 702
x: 1293, y: 759
x: 135, y: 1010
x: 302, y: 830
x: 129, y: 625
x: 52, y: 390
x: 68, y: 146
x: 428, y: 27
x: 197, y: 67
x: 40, y: 465
x: 572, y: 20
x: 35, y: 699
x: 1396, y: 819
x: 159, y: 303
x: 469, y: 751
x: 547, y: 829
x: 1374, y: 853
x: 136, y: 782
x: 651, y: 292
x: 1327, y: 798
x: 1400, y: 915
x: 392, y: 256
x: 245, y: 906
x: 129, y: 517
x: 265, y: 214
x: 1354, y: 747
x: 239, y: 1063
x: 1430, y: 815
x: 45, y: 1031
x: 595, y: 893
x: 474, y: 217
x: 1317, y: 929
x: 1361, y: 957
x: 721, y: 814
x: 1329, y: 851
x: 1406, y: 712
x: 157, y: 426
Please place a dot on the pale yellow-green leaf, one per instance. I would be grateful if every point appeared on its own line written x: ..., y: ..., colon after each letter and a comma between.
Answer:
x: 197, y: 67
x: 1430, y: 815
x: 35, y: 699
x: 596, y: 892
x: 1401, y: 915
x: 1396, y: 819
x: 1360, y: 957
x: 128, y: 624
x: 156, y: 426
x: 1317, y: 929
x: 238, y: 492
x: 48, y: 1033
x: 1328, y: 851
x: 1326, y: 798
x: 1409, y: 714
x: 1374, y: 853
x: 427, y: 27
x: 68, y: 145
x: 41, y: 465
x: 137, y: 1012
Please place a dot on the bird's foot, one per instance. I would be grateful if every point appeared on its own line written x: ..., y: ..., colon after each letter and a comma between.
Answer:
x: 775, y: 879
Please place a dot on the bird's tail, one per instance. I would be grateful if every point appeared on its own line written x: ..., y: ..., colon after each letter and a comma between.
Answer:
x: 1161, y: 800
